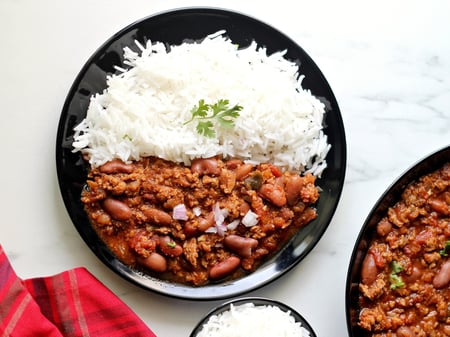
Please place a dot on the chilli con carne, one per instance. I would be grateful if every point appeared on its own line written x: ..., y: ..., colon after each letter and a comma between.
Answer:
x: 405, y: 276
x: 196, y: 224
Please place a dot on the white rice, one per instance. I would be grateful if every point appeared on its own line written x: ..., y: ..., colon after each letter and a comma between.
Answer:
x: 142, y: 110
x: 248, y: 320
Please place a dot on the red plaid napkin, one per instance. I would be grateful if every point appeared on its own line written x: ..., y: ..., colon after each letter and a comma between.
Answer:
x: 72, y: 303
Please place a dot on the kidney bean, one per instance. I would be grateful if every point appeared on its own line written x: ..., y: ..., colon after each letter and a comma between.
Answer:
x: 242, y: 246
x: 405, y: 331
x: 242, y: 171
x: 439, y: 206
x: 156, y: 215
x: 232, y: 164
x: 117, y: 209
x: 293, y: 186
x: 224, y: 267
x: 116, y: 166
x: 169, y: 247
x: 155, y: 262
x: 244, y: 208
x: 416, y: 273
x: 369, y: 270
x: 190, y: 229
x: 150, y: 197
x: 273, y: 193
x: 442, y: 278
x: 205, y: 166
x: 205, y: 222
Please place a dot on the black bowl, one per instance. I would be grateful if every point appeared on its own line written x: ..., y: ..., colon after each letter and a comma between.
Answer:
x: 173, y: 27
x: 427, y: 165
x: 257, y: 301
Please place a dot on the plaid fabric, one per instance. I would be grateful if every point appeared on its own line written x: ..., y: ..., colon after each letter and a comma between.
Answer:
x: 72, y: 303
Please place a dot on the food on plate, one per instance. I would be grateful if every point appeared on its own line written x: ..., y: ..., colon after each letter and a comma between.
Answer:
x: 405, y: 275
x: 247, y: 320
x: 200, y: 223
x: 203, y: 158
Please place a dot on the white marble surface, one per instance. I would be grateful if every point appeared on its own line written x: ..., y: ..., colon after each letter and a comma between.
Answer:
x: 388, y: 63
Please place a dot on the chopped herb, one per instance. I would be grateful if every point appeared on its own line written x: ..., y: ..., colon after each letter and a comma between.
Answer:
x: 446, y: 250
x: 171, y: 244
x: 219, y: 112
x: 396, y: 281
x: 396, y: 267
x: 127, y: 137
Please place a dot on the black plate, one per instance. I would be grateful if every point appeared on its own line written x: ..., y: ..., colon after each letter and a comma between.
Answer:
x: 257, y: 301
x: 427, y: 165
x: 173, y: 27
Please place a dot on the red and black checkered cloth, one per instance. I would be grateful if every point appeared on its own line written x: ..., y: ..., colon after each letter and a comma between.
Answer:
x: 72, y: 303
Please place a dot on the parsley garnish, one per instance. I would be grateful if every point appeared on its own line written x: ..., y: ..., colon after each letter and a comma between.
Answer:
x: 219, y: 112
x: 171, y: 244
x: 396, y: 267
x: 446, y: 250
x: 396, y: 281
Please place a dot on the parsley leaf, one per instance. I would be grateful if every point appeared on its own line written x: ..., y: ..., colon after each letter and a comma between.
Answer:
x: 396, y: 281
x: 171, y: 244
x: 206, y: 129
x: 207, y: 114
x: 396, y: 267
x: 201, y: 110
x: 446, y: 250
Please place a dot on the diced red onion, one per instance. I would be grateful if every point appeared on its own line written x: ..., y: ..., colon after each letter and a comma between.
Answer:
x: 233, y: 225
x: 250, y: 219
x: 219, y: 217
x: 211, y: 229
x: 180, y: 212
x: 197, y: 211
x: 219, y: 213
x: 221, y: 229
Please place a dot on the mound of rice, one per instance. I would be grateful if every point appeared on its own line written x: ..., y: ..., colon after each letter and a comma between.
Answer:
x: 248, y: 320
x: 142, y: 110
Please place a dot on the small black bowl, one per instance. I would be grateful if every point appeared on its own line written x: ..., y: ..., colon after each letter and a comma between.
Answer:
x: 427, y: 165
x: 257, y: 301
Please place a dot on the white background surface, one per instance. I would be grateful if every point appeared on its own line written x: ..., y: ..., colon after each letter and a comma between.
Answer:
x: 388, y: 63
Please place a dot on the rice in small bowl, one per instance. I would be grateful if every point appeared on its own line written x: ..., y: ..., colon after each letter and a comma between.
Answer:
x: 253, y: 316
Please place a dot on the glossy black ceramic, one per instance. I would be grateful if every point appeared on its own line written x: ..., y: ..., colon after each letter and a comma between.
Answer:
x: 258, y: 301
x: 173, y: 27
x: 427, y: 165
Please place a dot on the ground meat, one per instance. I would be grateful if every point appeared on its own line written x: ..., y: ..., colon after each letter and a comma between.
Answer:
x: 405, y: 277
x: 171, y: 220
